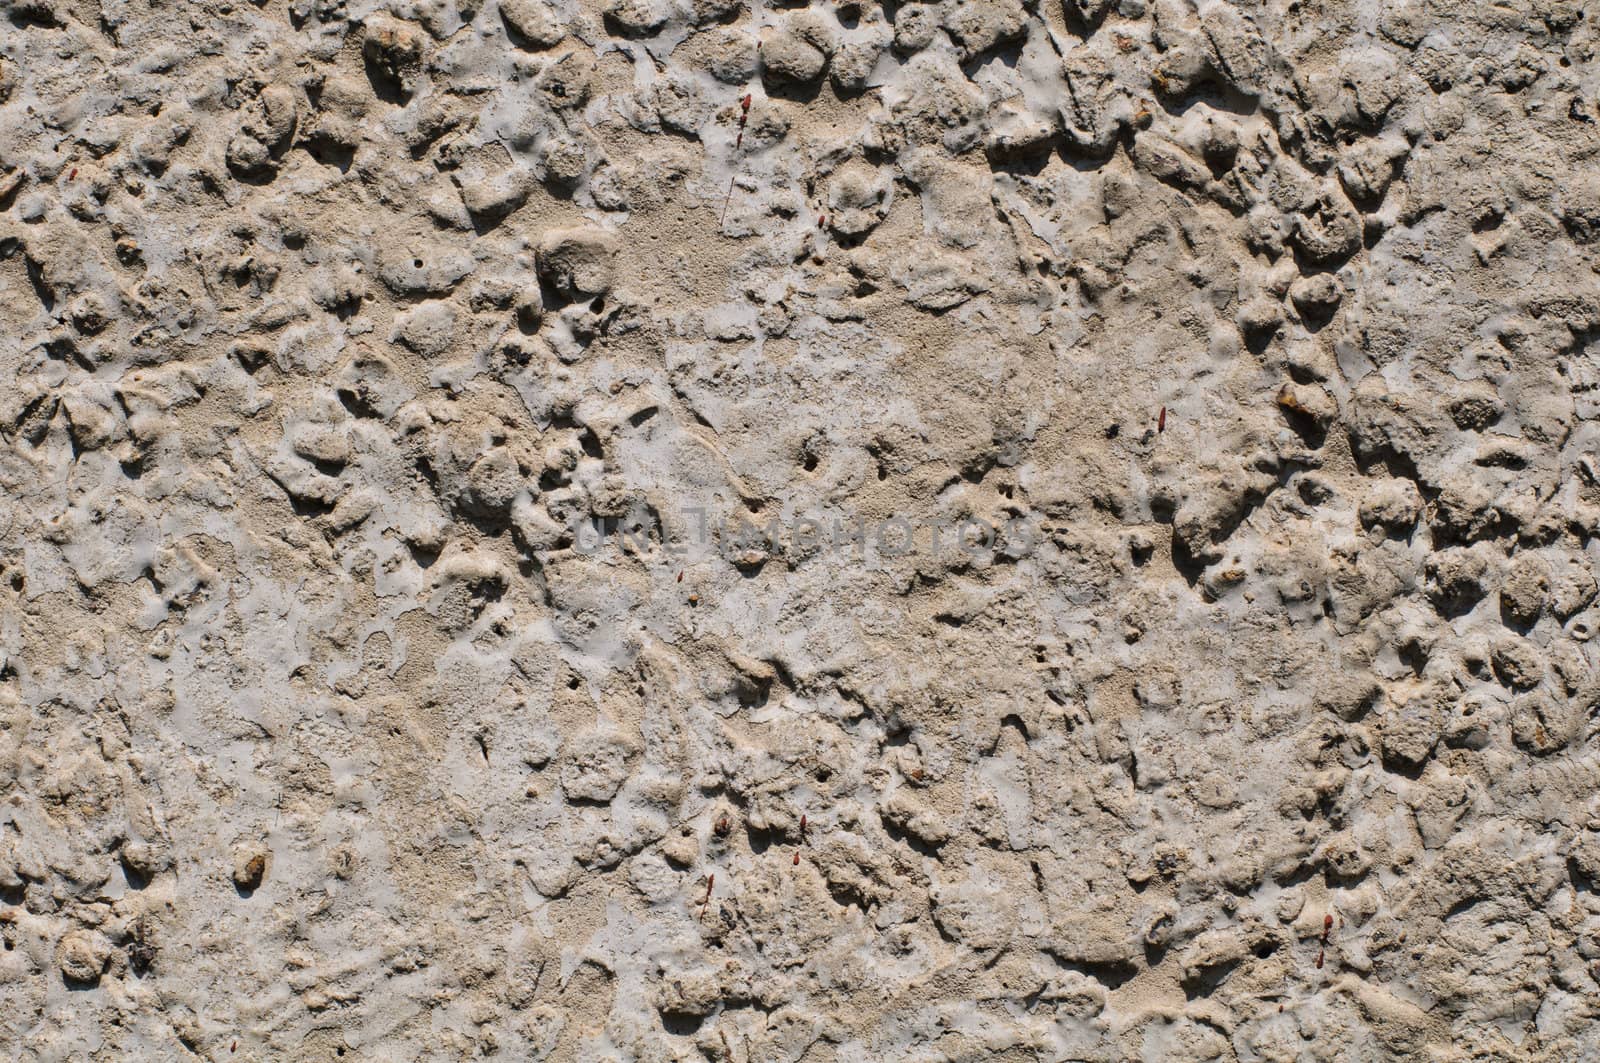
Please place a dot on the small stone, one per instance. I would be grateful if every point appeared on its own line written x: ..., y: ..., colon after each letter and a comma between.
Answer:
x: 567, y: 82
x: 1477, y: 409
x: 1345, y: 858
x: 788, y: 60
x: 529, y: 309
x: 393, y: 51
x: 565, y: 162
x: 144, y: 859
x: 681, y: 849
x: 249, y: 869
x: 491, y: 199
x: 1410, y: 734
x: 915, y: 26
x: 1542, y: 724
x: 1328, y: 232
x: 1316, y: 296
x: 1309, y: 403
x: 1018, y: 133
x: 1439, y: 804
x: 322, y: 445
x: 1572, y: 588
x: 859, y: 197
x: 1348, y: 697
x: 532, y: 23
x: 980, y: 26
x: 852, y: 65
x: 493, y: 482
x: 577, y: 262
x: 428, y: 330
x: 636, y: 18
x: 1518, y: 663
x: 1391, y: 505
x: 1525, y: 590
x: 82, y: 956
x: 279, y: 112
x: 1259, y: 319
x: 248, y: 157
x: 1471, y: 722
x: 596, y: 766
x: 1457, y: 578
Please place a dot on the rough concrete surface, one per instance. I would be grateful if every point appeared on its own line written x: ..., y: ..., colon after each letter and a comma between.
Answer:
x: 710, y: 530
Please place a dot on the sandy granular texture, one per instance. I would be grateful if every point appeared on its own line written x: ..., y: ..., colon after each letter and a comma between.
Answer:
x: 387, y: 391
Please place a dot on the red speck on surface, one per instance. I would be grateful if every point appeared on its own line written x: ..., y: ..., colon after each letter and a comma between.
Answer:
x: 73, y: 175
x: 1161, y: 421
x: 744, y: 116
x: 797, y: 859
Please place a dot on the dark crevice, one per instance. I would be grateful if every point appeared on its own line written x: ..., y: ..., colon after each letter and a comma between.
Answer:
x: 1113, y: 974
x: 919, y: 845
x: 681, y: 1024
x: 1207, y: 980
